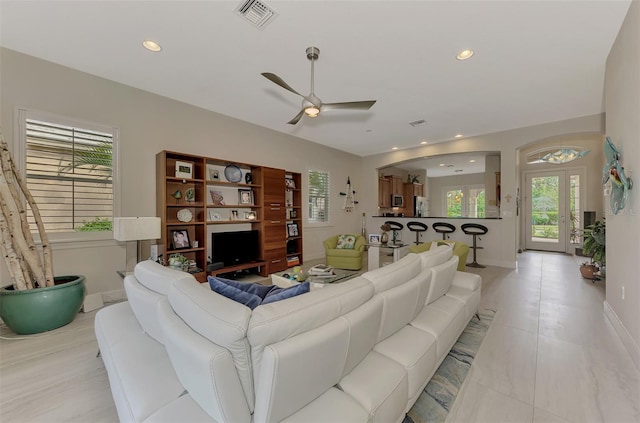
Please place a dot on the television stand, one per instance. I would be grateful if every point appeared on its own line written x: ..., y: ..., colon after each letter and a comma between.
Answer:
x: 239, y: 267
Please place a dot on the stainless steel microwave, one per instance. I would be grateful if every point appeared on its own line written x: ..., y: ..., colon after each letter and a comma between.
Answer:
x: 397, y: 200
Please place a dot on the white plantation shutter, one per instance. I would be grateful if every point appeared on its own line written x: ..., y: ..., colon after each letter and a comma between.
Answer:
x: 318, y: 196
x: 69, y: 171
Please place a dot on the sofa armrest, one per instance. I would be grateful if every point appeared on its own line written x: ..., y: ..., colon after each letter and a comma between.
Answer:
x: 465, y: 280
x: 360, y: 243
x: 330, y: 243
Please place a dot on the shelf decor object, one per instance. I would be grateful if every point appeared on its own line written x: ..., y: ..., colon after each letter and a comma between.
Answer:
x: 136, y: 229
x: 184, y: 169
x: 184, y: 215
x: 614, y: 171
x: 233, y: 173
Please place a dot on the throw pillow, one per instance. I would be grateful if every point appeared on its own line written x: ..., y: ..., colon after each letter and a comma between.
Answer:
x: 252, y: 288
x: 284, y: 293
x: 346, y: 242
x: 449, y: 244
x: 250, y: 300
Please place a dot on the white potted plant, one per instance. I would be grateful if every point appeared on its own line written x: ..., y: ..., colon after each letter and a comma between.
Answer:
x: 36, y: 301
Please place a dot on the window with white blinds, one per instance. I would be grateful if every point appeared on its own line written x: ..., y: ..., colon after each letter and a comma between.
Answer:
x: 318, y: 196
x: 69, y: 171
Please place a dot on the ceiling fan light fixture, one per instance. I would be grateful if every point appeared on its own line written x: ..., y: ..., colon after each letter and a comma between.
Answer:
x: 312, y: 111
x: 151, y: 46
x: 464, y: 54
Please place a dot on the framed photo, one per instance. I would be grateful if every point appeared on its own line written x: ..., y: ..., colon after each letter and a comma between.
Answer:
x: 217, y: 199
x: 180, y: 239
x: 214, y: 174
x: 292, y: 229
x: 184, y: 169
x: 250, y: 215
x: 288, y: 198
x: 214, y: 216
x: 289, y: 183
x: 292, y: 214
x: 374, y: 238
x: 245, y: 196
x: 234, y: 215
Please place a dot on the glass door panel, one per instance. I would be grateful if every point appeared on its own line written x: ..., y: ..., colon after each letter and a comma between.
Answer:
x: 545, y: 211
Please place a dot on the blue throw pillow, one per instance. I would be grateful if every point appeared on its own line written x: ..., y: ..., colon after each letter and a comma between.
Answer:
x: 252, y: 288
x: 250, y: 300
x: 278, y: 294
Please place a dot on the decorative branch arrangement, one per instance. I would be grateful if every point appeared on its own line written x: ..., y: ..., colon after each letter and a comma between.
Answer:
x: 23, y: 259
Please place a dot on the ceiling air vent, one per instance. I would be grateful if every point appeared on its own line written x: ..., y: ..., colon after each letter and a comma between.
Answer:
x: 257, y: 13
x: 418, y: 122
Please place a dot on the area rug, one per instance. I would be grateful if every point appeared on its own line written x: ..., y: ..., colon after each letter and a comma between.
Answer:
x: 438, y: 396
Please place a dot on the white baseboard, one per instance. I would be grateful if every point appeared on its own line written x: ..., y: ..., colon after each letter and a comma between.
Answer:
x: 627, y: 340
x: 96, y: 301
x: 92, y: 302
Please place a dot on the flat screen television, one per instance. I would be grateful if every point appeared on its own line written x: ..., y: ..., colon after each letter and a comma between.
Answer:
x: 232, y: 248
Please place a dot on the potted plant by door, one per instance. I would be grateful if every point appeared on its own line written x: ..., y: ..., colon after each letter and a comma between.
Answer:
x: 36, y: 301
x: 594, y: 246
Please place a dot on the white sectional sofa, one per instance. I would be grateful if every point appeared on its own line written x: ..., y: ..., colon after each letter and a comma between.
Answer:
x: 358, y: 351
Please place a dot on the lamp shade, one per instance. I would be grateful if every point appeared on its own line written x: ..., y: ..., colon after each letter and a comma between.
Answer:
x: 136, y: 228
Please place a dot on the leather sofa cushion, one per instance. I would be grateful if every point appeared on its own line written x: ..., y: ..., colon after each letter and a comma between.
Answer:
x: 434, y: 257
x: 394, y: 274
x: 380, y: 386
x: 441, y: 278
x: 332, y: 406
x: 131, y: 356
x: 206, y: 370
x: 444, y: 320
x: 271, y: 323
x: 148, y: 285
x: 415, y: 350
x: 220, y: 320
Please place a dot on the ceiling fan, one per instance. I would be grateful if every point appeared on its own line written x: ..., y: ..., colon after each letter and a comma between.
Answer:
x: 311, y: 104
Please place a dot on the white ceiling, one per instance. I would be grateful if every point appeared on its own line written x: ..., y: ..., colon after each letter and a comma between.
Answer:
x: 534, y: 62
x: 447, y: 164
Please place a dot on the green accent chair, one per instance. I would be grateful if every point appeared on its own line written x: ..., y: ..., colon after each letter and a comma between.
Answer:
x: 460, y: 249
x: 350, y: 259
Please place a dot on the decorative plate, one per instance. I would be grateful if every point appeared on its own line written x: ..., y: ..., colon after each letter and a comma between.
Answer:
x: 184, y: 215
x: 233, y: 173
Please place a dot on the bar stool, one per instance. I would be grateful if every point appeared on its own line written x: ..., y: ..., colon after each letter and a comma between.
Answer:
x: 476, y: 230
x: 418, y: 228
x: 443, y: 228
x: 395, y: 227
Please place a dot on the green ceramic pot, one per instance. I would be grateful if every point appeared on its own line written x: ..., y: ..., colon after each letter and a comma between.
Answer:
x: 42, y: 309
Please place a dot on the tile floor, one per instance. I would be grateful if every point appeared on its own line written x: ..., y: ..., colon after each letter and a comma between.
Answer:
x: 550, y: 356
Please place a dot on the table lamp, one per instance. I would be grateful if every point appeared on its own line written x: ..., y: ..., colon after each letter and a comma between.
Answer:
x: 136, y: 229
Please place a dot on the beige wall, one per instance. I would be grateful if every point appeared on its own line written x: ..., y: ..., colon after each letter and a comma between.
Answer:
x: 622, y: 88
x: 148, y: 124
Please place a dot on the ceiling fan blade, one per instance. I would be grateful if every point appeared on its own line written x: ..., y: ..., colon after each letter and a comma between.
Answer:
x: 353, y: 105
x: 297, y: 118
x: 279, y: 81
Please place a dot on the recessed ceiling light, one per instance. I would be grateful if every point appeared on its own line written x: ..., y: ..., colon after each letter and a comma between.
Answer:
x: 442, y: 165
x: 459, y: 136
x: 151, y: 45
x: 464, y: 54
x: 424, y: 142
x: 394, y: 148
x: 472, y: 161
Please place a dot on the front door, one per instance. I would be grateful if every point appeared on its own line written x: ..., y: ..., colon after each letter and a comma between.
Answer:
x: 545, y: 211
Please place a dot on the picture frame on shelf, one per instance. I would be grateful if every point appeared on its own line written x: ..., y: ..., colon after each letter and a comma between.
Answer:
x: 289, y: 183
x: 217, y: 198
x: 292, y: 229
x: 245, y: 196
x: 214, y: 216
x: 234, y: 215
x: 184, y: 169
x: 180, y: 239
x: 374, y: 238
x: 214, y: 174
x: 250, y: 215
x: 292, y: 214
x: 288, y: 198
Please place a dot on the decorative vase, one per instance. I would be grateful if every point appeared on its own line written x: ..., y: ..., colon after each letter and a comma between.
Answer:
x: 42, y: 309
x: 384, y: 238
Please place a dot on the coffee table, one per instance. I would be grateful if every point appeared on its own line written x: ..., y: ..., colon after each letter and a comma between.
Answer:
x: 340, y: 275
